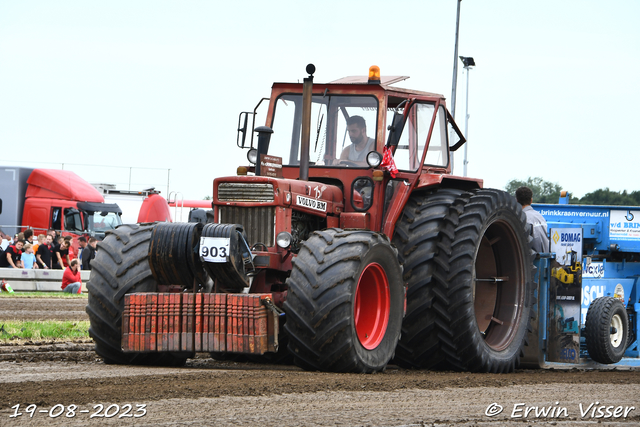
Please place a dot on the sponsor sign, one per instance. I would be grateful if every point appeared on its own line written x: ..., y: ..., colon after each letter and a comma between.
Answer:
x: 564, y: 241
x: 624, y: 225
x: 595, y: 269
x: 270, y: 166
x: 314, y: 204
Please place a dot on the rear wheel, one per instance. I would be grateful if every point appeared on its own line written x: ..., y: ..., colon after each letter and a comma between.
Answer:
x: 607, y: 330
x: 120, y: 267
x: 426, y: 341
x: 490, y: 287
x: 345, y: 301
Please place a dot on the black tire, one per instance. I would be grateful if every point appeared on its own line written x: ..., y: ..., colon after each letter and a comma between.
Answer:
x: 604, y: 314
x: 489, y: 320
x: 426, y: 340
x: 120, y: 267
x: 345, y: 301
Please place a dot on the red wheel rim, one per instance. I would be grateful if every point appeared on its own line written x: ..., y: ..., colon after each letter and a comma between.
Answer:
x: 371, y: 308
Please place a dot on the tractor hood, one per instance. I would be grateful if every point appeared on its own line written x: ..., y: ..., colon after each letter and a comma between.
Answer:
x: 312, y: 197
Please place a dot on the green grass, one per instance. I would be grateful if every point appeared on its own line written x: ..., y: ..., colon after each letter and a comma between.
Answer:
x: 41, y: 295
x: 46, y: 329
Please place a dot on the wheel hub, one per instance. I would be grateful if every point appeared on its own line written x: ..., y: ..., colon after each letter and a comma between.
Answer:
x: 372, y: 306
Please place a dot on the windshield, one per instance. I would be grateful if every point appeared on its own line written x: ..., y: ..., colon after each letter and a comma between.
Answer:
x: 101, y: 221
x: 343, y: 129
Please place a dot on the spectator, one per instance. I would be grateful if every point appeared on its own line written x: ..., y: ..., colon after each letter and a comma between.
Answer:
x: 12, y: 256
x: 540, y: 242
x: 72, y: 254
x: 57, y: 259
x: 5, y: 241
x: 62, y: 255
x: 41, y: 239
x: 28, y: 236
x: 28, y: 257
x: 45, y: 253
x: 88, y: 251
x: 71, y: 281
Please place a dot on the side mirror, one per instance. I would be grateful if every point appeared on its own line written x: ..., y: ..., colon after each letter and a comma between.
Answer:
x: 242, y: 129
x: 395, y: 129
x: 264, y: 137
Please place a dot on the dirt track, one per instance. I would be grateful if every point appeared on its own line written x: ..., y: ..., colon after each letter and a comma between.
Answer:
x: 208, y: 392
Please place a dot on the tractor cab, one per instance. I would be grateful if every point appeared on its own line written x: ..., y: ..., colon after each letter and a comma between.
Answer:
x: 354, y: 121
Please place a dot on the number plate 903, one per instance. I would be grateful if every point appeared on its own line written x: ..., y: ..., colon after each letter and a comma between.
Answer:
x: 214, y: 249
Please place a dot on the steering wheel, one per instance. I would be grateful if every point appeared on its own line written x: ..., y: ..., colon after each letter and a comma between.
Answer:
x: 349, y: 163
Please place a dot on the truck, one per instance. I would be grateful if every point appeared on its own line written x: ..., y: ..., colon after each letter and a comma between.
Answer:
x: 148, y: 205
x: 44, y: 199
x: 140, y: 206
x: 588, y: 288
x: 340, y: 259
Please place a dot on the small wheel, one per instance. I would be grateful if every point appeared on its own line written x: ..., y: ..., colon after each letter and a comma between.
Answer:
x: 607, y: 330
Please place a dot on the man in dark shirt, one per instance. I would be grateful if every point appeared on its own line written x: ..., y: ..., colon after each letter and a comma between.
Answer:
x: 12, y: 256
x: 88, y: 251
x: 45, y: 253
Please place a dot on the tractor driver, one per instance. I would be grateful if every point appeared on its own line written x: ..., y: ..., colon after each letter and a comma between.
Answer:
x: 361, y: 144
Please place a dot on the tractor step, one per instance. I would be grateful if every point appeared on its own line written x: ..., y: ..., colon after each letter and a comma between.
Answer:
x: 202, y: 322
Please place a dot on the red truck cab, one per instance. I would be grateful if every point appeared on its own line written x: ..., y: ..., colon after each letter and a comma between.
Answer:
x: 53, y: 198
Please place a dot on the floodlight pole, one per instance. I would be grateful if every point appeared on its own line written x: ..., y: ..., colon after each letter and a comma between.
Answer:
x: 454, y: 84
x: 468, y: 63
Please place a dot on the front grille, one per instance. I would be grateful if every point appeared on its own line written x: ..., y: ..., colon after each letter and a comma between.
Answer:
x: 245, y: 192
x: 258, y: 222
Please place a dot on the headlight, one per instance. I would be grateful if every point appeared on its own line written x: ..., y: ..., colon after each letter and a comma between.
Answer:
x: 284, y: 239
x: 374, y: 159
x: 252, y: 156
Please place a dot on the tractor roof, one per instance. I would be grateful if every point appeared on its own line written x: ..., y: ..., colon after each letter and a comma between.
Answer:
x: 385, y: 84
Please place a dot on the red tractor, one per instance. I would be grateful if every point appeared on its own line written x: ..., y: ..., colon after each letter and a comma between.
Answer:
x: 347, y: 244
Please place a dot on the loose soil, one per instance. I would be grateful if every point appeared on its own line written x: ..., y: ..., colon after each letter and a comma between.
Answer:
x: 210, y: 392
x: 43, y: 308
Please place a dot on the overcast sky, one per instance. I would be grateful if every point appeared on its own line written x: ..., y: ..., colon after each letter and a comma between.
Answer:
x: 159, y: 84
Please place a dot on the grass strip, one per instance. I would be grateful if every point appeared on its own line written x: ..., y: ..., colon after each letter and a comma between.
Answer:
x: 41, y: 295
x: 43, y: 329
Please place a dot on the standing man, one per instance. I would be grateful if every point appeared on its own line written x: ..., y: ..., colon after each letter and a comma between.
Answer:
x: 28, y: 236
x: 88, y: 252
x: 361, y: 144
x: 540, y: 242
x: 45, y: 253
x: 91, y: 254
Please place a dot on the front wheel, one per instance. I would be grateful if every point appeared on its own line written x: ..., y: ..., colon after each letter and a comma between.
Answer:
x: 345, y: 302
x: 121, y: 266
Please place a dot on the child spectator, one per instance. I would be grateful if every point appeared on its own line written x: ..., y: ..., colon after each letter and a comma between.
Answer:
x: 28, y: 257
x: 45, y: 253
x: 41, y: 239
x: 12, y: 255
x: 71, y: 281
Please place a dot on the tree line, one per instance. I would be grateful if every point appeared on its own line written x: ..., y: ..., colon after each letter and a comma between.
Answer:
x: 549, y: 192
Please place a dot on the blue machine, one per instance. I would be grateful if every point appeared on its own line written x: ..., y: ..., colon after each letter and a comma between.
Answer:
x: 606, y: 240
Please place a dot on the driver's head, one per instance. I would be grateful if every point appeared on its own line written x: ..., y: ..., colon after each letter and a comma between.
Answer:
x: 357, y: 129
